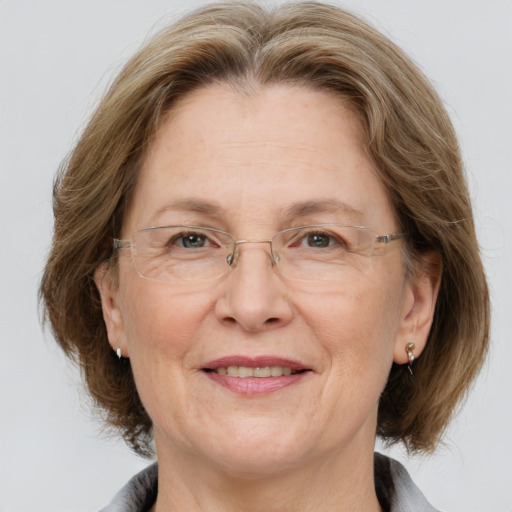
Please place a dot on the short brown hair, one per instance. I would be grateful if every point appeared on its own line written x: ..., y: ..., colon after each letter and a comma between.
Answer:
x: 409, y: 138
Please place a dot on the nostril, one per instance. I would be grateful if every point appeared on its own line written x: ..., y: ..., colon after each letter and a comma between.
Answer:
x: 272, y: 320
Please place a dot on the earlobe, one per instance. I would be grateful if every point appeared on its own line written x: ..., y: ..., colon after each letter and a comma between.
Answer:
x: 112, y: 314
x: 419, y: 307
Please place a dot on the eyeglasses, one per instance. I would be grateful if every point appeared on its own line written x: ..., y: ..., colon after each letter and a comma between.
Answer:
x: 324, y: 252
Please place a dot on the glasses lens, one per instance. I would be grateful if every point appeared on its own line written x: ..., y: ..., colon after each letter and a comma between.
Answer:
x: 181, y: 253
x: 322, y: 252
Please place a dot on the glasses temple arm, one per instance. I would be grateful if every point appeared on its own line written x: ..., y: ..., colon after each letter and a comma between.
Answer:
x: 121, y: 244
x: 386, y: 239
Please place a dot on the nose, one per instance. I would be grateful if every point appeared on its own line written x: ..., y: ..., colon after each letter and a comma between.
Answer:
x: 254, y: 298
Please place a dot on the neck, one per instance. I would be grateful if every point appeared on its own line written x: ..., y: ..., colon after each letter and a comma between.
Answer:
x: 338, y: 482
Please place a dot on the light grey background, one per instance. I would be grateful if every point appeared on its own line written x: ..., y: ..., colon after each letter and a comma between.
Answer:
x: 56, y: 58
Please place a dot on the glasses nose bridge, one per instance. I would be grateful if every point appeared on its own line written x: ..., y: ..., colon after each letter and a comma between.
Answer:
x: 234, y: 257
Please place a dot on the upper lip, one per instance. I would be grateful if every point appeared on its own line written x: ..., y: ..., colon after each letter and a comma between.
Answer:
x: 254, y: 362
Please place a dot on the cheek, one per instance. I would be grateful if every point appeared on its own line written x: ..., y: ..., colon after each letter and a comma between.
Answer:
x: 162, y: 324
x: 355, y: 329
x: 163, y: 329
x: 356, y: 326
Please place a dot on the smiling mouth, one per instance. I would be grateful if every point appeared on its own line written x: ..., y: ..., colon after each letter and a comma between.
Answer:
x: 262, y: 372
x: 255, y: 376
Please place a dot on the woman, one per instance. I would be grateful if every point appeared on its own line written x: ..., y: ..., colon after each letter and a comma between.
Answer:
x: 264, y: 255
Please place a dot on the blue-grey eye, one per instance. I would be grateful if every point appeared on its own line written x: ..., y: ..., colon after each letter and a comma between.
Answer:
x: 319, y: 240
x: 192, y: 240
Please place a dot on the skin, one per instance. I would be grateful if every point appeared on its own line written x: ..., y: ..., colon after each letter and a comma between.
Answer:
x: 308, y: 446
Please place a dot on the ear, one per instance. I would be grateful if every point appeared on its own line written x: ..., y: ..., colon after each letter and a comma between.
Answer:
x: 421, y: 290
x: 112, y: 313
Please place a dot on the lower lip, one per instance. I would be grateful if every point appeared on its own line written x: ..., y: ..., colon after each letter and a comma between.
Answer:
x: 255, y: 385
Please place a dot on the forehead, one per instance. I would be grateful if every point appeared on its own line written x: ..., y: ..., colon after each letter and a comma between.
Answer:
x: 260, y: 154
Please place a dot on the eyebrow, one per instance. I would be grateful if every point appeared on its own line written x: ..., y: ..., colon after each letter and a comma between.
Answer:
x: 191, y: 205
x: 302, y: 209
x: 299, y: 209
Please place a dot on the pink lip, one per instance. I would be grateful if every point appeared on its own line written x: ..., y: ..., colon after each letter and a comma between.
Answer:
x: 255, y: 385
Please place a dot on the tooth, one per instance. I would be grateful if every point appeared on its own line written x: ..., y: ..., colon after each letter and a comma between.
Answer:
x: 233, y: 371
x: 245, y: 371
x: 276, y: 371
x: 262, y: 372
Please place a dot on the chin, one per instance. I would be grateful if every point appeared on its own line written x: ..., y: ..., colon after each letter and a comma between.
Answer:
x: 254, y: 448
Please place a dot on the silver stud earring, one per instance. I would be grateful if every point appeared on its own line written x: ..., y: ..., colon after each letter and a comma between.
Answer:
x: 118, y: 352
x: 408, y: 350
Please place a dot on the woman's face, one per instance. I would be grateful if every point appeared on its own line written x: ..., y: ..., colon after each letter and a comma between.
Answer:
x: 252, y: 165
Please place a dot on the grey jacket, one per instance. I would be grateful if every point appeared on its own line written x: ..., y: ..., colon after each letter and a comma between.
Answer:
x: 395, y: 490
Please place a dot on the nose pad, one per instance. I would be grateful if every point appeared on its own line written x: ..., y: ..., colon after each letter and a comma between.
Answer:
x: 231, y: 259
x: 274, y: 257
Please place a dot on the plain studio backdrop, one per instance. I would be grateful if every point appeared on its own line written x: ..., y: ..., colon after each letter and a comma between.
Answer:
x: 56, y: 58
